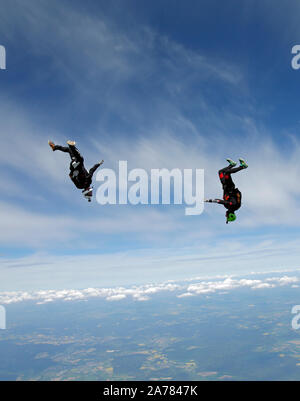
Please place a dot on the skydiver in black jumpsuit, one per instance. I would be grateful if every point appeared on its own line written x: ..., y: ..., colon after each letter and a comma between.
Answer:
x: 232, y: 197
x: 78, y: 173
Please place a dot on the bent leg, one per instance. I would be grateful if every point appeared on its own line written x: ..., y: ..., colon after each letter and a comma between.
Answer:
x: 225, y: 178
x: 224, y: 170
x: 236, y: 169
x: 94, y: 168
x: 230, y: 169
x: 227, y: 171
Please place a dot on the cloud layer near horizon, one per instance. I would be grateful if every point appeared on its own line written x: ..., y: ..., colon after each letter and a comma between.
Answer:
x: 144, y: 293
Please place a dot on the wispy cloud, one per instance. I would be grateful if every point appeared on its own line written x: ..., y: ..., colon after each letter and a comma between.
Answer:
x: 139, y: 266
x: 145, y: 97
x: 199, y: 243
x: 97, y: 62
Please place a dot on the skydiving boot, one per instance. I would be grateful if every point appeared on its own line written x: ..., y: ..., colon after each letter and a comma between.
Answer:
x: 52, y: 146
x: 88, y: 193
x: 231, y: 163
x: 243, y: 163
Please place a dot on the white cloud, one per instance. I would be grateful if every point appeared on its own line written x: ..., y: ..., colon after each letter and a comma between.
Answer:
x: 116, y: 297
x: 143, y: 293
x: 230, y: 284
x: 283, y: 280
x: 110, y: 294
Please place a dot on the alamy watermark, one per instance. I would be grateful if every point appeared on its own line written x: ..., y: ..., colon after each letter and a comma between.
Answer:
x: 2, y: 58
x: 296, y: 319
x: 296, y: 59
x: 153, y: 189
x: 2, y: 318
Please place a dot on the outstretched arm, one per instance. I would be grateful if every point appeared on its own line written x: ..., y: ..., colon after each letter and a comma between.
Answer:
x: 220, y: 201
x: 214, y: 201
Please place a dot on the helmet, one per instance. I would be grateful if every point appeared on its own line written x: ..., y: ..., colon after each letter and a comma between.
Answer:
x: 88, y: 193
x: 231, y: 217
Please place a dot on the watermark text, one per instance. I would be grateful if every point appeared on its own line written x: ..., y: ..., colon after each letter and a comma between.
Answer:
x: 161, y: 186
x: 2, y: 58
x: 2, y: 318
x: 296, y: 319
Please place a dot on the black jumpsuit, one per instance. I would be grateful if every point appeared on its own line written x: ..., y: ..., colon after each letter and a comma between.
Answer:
x: 78, y: 173
x: 231, y: 195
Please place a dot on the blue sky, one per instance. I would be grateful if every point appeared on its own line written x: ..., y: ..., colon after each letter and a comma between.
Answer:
x: 160, y: 84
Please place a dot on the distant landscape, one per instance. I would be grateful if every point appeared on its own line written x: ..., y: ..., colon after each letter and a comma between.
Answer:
x: 239, y: 334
